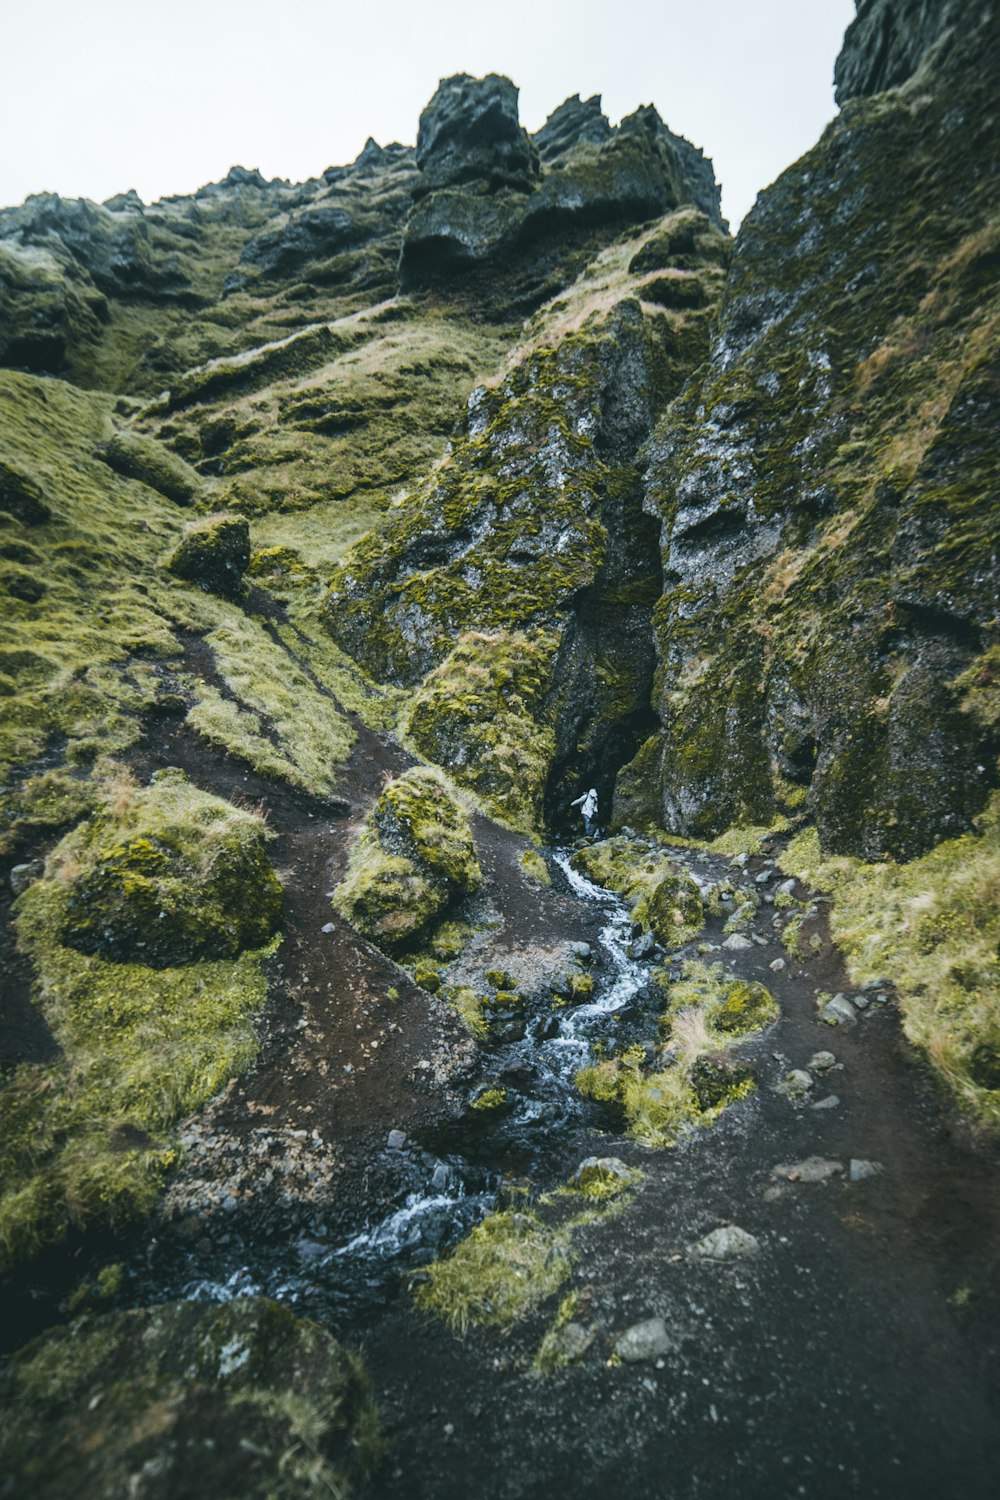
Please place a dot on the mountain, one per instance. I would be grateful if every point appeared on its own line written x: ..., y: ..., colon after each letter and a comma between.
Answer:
x: 350, y: 530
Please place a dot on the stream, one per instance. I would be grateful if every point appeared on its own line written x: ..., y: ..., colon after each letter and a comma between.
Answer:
x: 450, y: 1190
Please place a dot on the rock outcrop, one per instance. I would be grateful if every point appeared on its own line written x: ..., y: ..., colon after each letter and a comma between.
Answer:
x: 493, y: 200
x: 470, y: 132
x: 888, y: 40
x: 829, y: 564
x: 533, y: 531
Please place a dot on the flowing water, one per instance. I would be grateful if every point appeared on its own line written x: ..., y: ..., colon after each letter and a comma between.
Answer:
x: 453, y: 1183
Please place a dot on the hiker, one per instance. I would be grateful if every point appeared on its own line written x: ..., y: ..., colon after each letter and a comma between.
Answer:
x: 587, y: 803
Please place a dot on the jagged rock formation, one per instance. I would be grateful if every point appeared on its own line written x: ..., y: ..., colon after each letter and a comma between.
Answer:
x: 507, y: 220
x: 827, y: 633
x: 549, y: 543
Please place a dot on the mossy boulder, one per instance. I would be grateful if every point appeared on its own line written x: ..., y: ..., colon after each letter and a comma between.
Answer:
x: 136, y: 456
x: 415, y: 858
x: 184, y: 1398
x: 168, y: 875
x: 665, y: 900
x: 671, y: 909
x: 481, y: 715
x: 214, y: 553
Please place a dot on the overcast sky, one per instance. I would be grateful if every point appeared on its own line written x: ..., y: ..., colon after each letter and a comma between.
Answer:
x: 165, y: 95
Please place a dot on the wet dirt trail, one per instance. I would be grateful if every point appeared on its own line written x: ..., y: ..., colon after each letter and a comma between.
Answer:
x: 856, y: 1354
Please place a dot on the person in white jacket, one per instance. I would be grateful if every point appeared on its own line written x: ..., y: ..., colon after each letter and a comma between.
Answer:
x: 587, y: 803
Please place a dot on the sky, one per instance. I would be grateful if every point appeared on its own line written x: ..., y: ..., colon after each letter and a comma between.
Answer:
x: 165, y: 95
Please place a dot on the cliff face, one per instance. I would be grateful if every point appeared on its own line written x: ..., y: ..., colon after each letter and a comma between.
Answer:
x: 827, y: 632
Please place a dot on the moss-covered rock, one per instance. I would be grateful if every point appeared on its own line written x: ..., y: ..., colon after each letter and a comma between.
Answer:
x: 415, y: 858
x: 214, y: 553
x: 481, y: 715
x: 167, y: 875
x: 139, y: 457
x: 185, y: 1398
x: 823, y: 485
x: 665, y: 899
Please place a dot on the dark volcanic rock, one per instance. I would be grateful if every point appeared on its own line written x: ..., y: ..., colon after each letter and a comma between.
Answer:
x: 470, y: 132
x: 307, y: 235
x: 830, y: 582
x: 575, y: 121
x: 887, y: 41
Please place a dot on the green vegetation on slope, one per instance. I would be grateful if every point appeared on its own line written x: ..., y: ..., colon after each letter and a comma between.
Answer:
x: 932, y: 928
x: 170, y: 873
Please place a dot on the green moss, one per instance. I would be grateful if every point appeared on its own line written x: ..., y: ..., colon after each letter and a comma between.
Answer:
x: 470, y: 1005
x: 666, y: 901
x: 184, y: 1393
x: 162, y: 875
x: 505, y: 1267
x: 214, y: 553
x: 707, y: 1011
x: 511, y: 1262
x: 930, y: 927
x: 535, y: 868
x: 415, y: 857
x: 481, y: 715
x: 172, y: 873
x: 280, y: 718
x: 139, y: 457
x: 489, y: 1099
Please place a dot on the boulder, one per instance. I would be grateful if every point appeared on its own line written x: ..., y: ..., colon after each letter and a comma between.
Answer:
x: 186, y: 1398
x: 414, y: 858
x: 214, y: 553
x: 470, y: 132
x: 729, y: 1242
x: 644, y: 1341
x: 167, y: 875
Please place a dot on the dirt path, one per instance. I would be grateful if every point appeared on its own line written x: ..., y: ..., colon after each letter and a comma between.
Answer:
x: 856, y: 1354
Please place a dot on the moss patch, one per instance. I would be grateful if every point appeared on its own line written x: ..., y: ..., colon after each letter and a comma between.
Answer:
x: 932, y: 928
x: 695, y: 1078
x: 665, y: 900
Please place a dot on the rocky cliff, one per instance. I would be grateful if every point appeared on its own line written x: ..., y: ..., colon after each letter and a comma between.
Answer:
x: 827, y: 632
